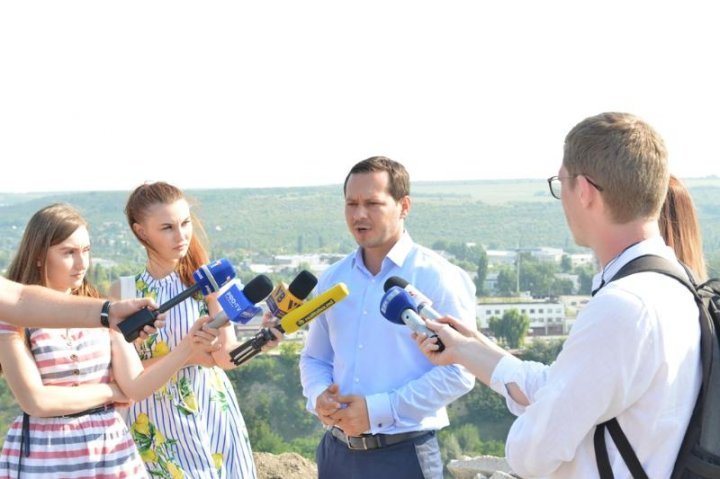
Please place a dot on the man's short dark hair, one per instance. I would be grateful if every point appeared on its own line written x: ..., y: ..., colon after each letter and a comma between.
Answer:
x: 398, y: 177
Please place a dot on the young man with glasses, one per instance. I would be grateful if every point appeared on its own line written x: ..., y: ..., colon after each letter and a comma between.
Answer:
x: 633, y: 352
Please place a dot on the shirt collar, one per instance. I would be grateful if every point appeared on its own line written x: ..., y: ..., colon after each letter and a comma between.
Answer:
x: 397, y: 254
x: 655, y: 245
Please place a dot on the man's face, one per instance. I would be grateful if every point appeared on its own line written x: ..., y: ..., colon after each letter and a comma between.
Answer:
x: 571, y: 206
x: 373, y: 216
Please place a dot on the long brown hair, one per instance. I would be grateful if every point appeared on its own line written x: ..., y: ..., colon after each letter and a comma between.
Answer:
x: 680, y: 228
x: 48, y: 227
x: 136, y: 209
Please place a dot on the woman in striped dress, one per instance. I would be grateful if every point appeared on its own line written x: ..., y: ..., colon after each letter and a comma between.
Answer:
x: 63, y: 378
x: 196, y: 412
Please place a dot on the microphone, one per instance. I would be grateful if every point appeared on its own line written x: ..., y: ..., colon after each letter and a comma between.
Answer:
x: 239, y: 306
x: 208, y: 279
x: 286, y: 298
x: 399, y: 307
x: 291, y: 322
x: 422, y: 302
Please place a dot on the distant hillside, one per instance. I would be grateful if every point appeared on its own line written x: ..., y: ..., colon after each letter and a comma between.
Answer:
x: 497, y: 214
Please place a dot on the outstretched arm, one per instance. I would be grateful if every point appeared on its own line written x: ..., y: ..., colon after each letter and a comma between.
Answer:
x: 40, y: 307
x: 470, y: 349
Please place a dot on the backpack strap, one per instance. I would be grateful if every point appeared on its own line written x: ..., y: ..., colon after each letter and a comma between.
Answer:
x: 624, y: 447
x: 25, y: 430
x: 641, y: 264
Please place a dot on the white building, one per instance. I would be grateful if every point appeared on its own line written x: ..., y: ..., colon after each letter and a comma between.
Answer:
x: 573, y: 305
x: 581, y: 259
x: 550, y: 255
x: 546, y: 317
x: 498, y: 257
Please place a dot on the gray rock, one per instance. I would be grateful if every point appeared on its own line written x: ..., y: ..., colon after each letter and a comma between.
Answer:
x: 485, y: 465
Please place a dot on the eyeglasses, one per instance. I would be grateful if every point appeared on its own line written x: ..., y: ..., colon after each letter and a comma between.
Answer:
x: 555, y: 184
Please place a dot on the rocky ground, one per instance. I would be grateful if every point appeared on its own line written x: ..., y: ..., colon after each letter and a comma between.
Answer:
x: 284, y: 466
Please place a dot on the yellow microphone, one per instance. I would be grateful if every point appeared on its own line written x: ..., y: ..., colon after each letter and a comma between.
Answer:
x: 291, y: 322
x: 310, y: 310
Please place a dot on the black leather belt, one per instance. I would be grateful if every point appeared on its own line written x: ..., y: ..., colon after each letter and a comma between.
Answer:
x: 374, y: 441
x: 87, y: 412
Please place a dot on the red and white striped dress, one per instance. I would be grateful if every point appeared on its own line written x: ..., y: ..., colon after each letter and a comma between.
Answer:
x: 91, y: 446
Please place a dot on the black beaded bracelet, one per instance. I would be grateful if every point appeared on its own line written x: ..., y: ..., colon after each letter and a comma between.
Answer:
x: 105, y: 314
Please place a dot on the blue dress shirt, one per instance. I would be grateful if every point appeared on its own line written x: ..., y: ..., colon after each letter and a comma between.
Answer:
x: 354, y: 346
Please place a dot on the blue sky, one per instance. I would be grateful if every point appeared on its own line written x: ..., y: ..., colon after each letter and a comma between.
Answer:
x: 284, y: 93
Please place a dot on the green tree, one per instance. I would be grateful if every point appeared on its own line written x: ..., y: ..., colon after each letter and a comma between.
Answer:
x: 566, y: 263
x: 543, y: 350
x: 440, y: 245
x: 561, y: 286
x: 506, y: 281
x: 516, y: 328
x: 585, y: 277
x: 537, y: 276
x: 497, y: 327
x: 512, y: 327
x: 482, y: 269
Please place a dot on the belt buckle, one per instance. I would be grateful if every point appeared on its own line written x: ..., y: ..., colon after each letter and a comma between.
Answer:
x: 364, y: 443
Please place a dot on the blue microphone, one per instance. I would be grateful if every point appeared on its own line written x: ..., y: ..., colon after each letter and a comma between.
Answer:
x: 423, y: 303
x: 208, y: 279
x: 239, y: 306
x: 398, y: 307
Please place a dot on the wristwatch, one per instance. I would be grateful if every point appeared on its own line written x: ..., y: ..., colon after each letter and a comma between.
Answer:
x: 105, y: 314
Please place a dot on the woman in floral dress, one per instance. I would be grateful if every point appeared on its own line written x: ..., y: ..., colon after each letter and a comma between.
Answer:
x: 192, y: 427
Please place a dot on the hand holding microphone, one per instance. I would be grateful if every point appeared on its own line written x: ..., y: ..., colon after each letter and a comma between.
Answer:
x: 208, y: 279
x: 445, y: 329
x: 397, y: 306
x: 282, y: 300
x: 291, y: 322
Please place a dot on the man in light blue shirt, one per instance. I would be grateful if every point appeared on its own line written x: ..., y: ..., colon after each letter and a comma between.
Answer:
x: 380, y: 399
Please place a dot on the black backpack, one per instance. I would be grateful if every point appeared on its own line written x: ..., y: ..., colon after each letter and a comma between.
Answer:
x: 699, y: 456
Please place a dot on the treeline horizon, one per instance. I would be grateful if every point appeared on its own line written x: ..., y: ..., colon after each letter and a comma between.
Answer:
x: 249, y: 223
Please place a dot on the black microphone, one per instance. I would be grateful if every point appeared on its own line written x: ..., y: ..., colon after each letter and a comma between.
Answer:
x: 291, y: 322
x: 286, y: 298
x: 208, y: 279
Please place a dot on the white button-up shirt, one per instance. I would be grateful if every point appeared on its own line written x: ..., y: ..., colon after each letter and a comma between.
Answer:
x: 634, y: 354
